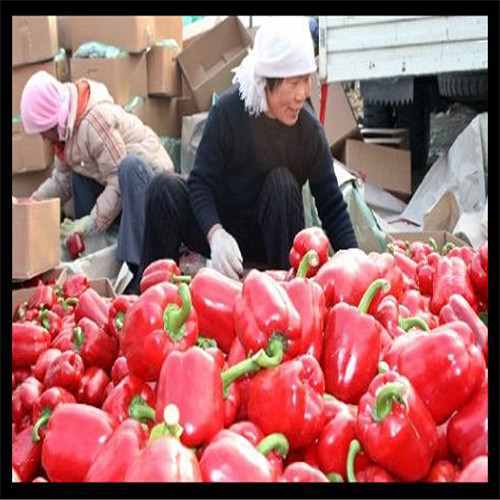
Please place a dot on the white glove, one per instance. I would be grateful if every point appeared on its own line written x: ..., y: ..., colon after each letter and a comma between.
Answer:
x: 85, y: 225
x: 225, y: 254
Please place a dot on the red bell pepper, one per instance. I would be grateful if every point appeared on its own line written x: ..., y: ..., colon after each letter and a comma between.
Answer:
x: 19, y: 376
x: 213, y: 296
x: 418, y: 250
x: 75, y: 245
x: 361, y: 470
x: 346, y: 276
x: 302, y: 472
x: 468, y: 428
x: 395, y: 428
x: 191, y: 380
x: 408, y: 268
x: 92, y: 390
x: 333, y: 406
x: 475, y: 472
x: 248, y: 430
x: 465, y: 253
x: 451, y: 277
x: 161, y: 271
x: 75, y: 285
x: 389, y: 271
x: 309, y: 301
x: 458, y: 309
x: 352, y: 347
x: 165, y: 458
x: 242, y: 384
x: 418, y: 305
x: 478, y: 272
x: 444, y: 370
x: 28, y: 342
x: 161, y: 321
x: 94, y: 345
x: 42, y: 363
x: 23, y: 399
x: 119, y: 370
x: 263, y: 312
x: 287, y: 398
x: 64, y: 340
x: 44, y: 406
x: 118, y: 453
x: 50, y: 321
x: 39, y: 479
x: 43, y: 296
x: 131, y: 398
x: 442, y: 471
x: 26, y: 455
x: 425, y: 272
x: 92, y: 306
x: 74, y: 436
x: 311, y: 238
x: 65, y: 371
x: 229, y: 457
x: 117, y: 311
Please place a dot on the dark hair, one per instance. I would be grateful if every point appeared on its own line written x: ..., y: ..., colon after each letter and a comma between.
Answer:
x: 272, y: 83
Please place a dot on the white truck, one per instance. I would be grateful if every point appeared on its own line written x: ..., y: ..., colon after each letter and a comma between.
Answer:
x: 406, y: 65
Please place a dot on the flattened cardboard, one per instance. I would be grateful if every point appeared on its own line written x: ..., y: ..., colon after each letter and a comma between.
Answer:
x: 441, y: 237
x: 207, y: 62
x: 20, y: 77
x: 161, y: 114
x: 443, y: 215
x: 34, y: 39
x: 388, y: 168
x: 23, y: 185
x: 164, y: 77
x: 35, y: 237
x: 30, y: 153
x: 125, y: 77
x: 340, y: 121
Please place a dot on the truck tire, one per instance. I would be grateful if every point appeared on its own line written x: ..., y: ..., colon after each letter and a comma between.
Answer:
x: 467, y: 87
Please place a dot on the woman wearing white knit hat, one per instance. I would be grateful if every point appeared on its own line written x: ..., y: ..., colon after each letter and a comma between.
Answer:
x: 242, y: 200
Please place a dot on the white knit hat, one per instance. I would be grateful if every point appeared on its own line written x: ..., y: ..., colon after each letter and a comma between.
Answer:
x: 283, y: 48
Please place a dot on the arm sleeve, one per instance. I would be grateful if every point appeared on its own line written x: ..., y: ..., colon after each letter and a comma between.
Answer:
x: 107, y: 149
x: 208, y: 169
x: 58, y: 185
x: 332, y: 209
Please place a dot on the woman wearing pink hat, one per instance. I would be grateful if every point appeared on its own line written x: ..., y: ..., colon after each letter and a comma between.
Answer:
x: 104, y: 157
x: 260, y: 145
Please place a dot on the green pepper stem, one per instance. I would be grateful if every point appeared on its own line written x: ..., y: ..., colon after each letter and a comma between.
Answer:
x: 276, y: 441
x: 43, y: 420
x: 205, y: 342
x: 181, y: 278
x: 261, y: 359
x: 370, y: 293
x: 354, y: 449
x: 140, y: 410
x: 383, y: 367
x: 170, y: 425
x: 390, y: 392
x: 44, y: 318
x: 407, y: 323
x: 310, y: 259
x: 119, y: 320
x: 447, y: 247
x: 433, y: 244
x: 335, y: 477
x: 78, y: 337
x: 174, y: 316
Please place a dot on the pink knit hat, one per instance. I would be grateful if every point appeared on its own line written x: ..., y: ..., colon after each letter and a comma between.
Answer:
x: 45, y: 104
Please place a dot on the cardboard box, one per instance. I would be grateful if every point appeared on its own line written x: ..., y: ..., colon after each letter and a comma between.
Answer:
x: 102, y: 286
x: 125, y: 77
x: 164, y: 77
x: 23, y: 185
x: 161, y: 114
x: 35, y: 237
x: 131, y: 33
x: 340, y: 121
x: 386, y: 167
x: 207, y: 62
x: 194, y: 30
x: 20, y: 77
x: 34, y: 39
x: 29, y: 152
x: 441, y: 237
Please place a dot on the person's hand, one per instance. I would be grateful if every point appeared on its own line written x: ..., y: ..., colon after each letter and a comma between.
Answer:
x: 83, y: 225
x: 225, y: 254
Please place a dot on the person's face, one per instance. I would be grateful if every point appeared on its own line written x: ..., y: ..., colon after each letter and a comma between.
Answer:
x: 50, y: 135
x: 286, y: 100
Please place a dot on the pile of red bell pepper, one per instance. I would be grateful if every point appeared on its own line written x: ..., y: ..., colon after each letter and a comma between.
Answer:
x: 349, y: 367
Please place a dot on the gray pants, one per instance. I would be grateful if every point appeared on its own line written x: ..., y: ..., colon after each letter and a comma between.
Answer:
x: 134, y: 178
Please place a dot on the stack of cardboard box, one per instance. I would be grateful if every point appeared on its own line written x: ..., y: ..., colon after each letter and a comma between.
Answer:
x: 34, y: 45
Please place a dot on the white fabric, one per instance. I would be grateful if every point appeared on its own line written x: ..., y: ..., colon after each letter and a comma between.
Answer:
x: 225, y: 254
x: 283, y: 48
